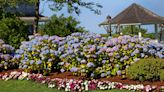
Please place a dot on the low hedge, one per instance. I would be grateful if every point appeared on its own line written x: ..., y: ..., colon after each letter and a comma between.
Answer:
x: 147, y: 69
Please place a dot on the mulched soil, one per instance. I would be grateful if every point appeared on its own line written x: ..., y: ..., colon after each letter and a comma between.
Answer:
x: 69, y: 75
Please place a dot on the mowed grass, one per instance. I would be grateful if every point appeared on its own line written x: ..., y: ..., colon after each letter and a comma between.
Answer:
x: 30, y: 86
x: 24, y: 86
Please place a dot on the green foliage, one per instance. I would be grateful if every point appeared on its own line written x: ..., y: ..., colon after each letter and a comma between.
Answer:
x: 61, y: 26
x: 147, y: 69
x: 128, y: 30
x: 115, y: 35
x: 74, y: 5
x: 25, y: 86
x: 12, y: 30
x: 149, y: 35
x: 104, y: 35
x: 161, y: 74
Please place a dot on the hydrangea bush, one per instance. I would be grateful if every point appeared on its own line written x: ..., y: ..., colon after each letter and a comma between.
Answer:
x: 86, y: 54
x: 6, y: 54
x: 38, y: 54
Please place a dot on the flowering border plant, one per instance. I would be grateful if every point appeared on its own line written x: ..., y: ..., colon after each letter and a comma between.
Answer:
x: 77, y: 85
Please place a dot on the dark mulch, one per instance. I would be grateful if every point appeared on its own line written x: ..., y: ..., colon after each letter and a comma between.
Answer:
x: 69, y: 75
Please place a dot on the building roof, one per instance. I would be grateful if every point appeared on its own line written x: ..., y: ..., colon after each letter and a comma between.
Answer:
x: 135, y: 14
x: 30, y: 19
x: 26, y: 12
x: 23, y: 10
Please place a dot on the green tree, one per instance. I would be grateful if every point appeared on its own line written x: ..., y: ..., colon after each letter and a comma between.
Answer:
x: 61, y: 26
x: 133, y: 30
x: 72, y: 6
x: 12, y: 30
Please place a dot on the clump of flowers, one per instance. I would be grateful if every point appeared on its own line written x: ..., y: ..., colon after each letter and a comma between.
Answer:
x: 6, y: 54
x: 77, y: 53
x: 153, y: 48
x: 39, y: 54
x: 70, y: 85
x: 86, y: 54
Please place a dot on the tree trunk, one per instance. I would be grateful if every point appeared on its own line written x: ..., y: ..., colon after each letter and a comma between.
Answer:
x: 132, y: 29
x: 36, y: 16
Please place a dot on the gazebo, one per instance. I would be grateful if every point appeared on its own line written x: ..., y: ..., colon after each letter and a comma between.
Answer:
x: 135, y: 15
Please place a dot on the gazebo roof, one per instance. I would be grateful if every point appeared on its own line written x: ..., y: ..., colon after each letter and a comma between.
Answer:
x: 136, y: 14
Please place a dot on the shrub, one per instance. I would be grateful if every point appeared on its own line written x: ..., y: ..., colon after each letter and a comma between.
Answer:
x: 161, y: 72
x: 12, y: 30
x: 149, y: 35
x: 146, y: 69
x: 6, y: 54
x: 86, y: 54
x: 92, y: 55
x: 38, y: 54
x: 128, y: 30
x: 61, y: 26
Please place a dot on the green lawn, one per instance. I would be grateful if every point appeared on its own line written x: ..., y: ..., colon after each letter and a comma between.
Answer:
x: 29, y: 86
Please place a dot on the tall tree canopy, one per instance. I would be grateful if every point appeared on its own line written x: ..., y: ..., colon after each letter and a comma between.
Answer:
x: 68, y: 25
x: 72, y: 6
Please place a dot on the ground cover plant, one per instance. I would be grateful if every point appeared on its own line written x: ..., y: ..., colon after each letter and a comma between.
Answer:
x: 72, y: 85
x: 30, y: 86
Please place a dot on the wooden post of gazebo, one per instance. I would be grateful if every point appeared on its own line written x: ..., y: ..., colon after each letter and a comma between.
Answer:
x: 156, y: 31
x: 161, y: 37
x: 131, y: 26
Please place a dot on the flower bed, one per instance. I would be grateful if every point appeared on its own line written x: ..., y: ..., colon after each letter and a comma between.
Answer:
x: 38, y: 54
x: 6, y: 54
x: 86, y: 54
x: 77, y: 85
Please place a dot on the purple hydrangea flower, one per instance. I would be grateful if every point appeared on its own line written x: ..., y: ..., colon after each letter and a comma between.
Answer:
x: 102, y: 75
x: 104, y: 61
x: 38, y: 62
x: 119, y: 72
x: 92, y: 74
x: 32, y: 62
x: 62, y: 70
x: 90, y: 64
x: 74, y: 69
x: 83, y: 61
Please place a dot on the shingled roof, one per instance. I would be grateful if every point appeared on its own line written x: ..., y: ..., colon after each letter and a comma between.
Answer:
x: 135, y: 14
x: 26, y: 12
x: 23, y: 10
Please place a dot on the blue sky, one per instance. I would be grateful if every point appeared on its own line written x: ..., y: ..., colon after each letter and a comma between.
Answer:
x: 110, y: 7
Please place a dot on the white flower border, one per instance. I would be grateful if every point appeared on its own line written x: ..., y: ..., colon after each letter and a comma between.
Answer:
x: 77, y: 85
